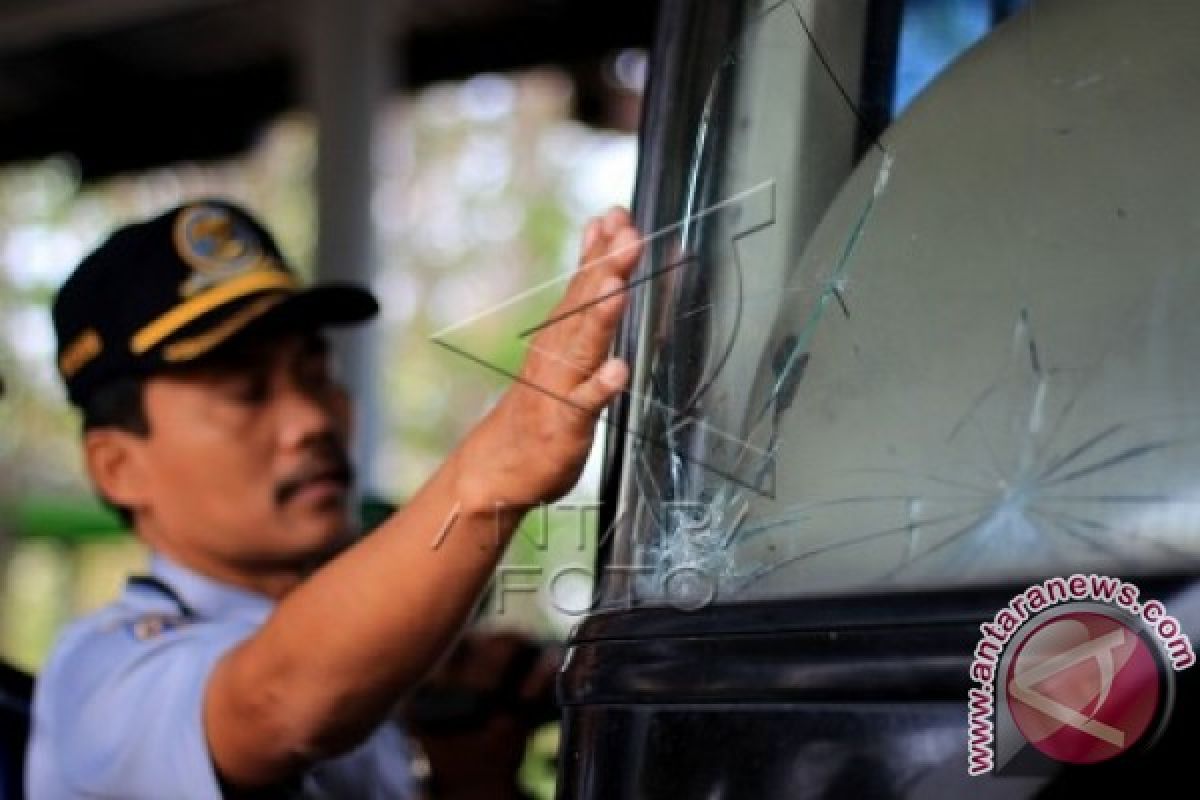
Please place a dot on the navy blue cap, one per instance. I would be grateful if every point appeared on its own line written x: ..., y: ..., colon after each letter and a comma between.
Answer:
x: 173, y: 288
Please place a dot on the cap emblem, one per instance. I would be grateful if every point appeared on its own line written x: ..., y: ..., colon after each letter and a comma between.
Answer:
x: 217, y: 246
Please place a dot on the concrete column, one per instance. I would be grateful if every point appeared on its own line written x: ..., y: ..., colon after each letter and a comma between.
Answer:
x: 348, y: 69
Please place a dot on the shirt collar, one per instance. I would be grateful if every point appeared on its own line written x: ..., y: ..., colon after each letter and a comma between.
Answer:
x: 208, y: 597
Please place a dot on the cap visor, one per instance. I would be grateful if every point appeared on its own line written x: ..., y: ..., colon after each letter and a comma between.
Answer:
x: 319, y: 307
x: 305, y: 310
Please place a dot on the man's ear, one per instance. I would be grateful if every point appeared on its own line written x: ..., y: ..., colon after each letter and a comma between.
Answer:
x: 114, y: 463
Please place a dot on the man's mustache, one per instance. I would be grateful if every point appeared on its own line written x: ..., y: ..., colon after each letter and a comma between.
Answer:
x: 331, y: 464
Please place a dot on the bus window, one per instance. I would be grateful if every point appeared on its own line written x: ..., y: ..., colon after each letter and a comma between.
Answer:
x: 959, y: 351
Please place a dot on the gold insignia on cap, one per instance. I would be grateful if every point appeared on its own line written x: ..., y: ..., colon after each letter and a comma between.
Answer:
x: 190, y: 310
x: 188, y: 349
x: 217, y: 245
x: 82, y: 350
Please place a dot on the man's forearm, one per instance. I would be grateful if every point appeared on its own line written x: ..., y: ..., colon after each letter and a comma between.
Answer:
x: 346, y: 644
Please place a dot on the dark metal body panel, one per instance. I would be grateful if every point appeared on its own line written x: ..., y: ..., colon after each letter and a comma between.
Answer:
x: 863, y: 698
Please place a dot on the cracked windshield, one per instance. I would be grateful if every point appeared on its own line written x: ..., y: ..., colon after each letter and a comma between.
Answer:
x: 922, y: 331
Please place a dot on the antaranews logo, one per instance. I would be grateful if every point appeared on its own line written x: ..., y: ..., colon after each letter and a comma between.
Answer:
x: 1074, y: 670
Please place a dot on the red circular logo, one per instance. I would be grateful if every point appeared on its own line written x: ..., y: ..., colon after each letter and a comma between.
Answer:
x: 1083, y: 687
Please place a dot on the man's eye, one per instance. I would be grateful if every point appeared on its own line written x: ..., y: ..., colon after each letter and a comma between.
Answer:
x: 247, y: 392
x: 315, y: 375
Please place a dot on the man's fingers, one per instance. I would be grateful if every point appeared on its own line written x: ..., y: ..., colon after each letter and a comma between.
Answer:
x: 609, y: 248
x: 591, y: 235
x: 614, y: 219
x: 578, y: 335
x: 591, y: 396
x: 599, y: 232
x: 593, y: 338
x: 579, y: 331
x: 613, y: 257
x: 624, y: 252
x: 616, y: 251
x: 580, y: 339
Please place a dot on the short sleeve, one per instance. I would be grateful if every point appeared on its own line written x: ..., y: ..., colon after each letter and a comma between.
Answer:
x: 120, y: 710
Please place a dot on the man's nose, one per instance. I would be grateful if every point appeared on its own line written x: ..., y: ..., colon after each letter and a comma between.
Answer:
x: 304, y: 413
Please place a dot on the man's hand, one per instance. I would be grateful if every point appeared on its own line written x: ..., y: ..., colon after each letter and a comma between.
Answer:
x: 531, y: 448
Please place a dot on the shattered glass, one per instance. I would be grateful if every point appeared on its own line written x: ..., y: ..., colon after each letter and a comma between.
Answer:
x: 969, y: 353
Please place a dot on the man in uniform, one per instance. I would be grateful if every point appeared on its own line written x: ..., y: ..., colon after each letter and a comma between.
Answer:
x: 266, y: 650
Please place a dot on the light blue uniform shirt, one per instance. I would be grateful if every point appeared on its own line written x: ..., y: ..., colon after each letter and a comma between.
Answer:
x: 117, y: 709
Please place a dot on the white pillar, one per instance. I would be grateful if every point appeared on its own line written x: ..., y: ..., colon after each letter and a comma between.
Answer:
x: 347, y: 65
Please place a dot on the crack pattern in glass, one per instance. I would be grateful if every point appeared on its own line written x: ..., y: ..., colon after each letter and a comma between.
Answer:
x: 967, y: 356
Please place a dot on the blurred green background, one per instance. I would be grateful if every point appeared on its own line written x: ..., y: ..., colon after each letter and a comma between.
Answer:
x: 481, y: 191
